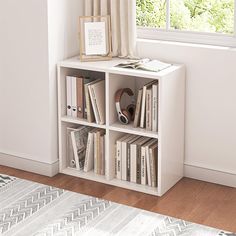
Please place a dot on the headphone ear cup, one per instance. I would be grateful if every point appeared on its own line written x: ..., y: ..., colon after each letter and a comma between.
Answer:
x: 126, y: 114
x: 131, y: 111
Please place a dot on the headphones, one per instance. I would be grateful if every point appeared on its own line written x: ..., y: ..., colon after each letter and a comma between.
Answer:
x: 124, y: 115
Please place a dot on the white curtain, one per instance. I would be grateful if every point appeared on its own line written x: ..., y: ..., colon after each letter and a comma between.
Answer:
x: 123, y: 23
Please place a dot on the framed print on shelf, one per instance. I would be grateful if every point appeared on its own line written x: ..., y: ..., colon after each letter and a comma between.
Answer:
x: 95, y: 38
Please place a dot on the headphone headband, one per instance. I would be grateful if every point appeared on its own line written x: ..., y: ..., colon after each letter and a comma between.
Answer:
x: 120, y: 92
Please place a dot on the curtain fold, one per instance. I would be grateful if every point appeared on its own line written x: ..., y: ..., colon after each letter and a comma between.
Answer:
x: 123, y: 23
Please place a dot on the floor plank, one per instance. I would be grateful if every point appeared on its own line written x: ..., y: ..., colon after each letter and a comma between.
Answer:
x: 197, y: 201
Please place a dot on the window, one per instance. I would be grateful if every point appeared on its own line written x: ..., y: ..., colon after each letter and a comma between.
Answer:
x: 203, y: 21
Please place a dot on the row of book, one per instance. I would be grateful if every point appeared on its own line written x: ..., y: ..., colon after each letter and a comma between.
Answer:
x: 146, y: 112
x: 136, y: 160
x: 86, y: 98
x: 86, y: 149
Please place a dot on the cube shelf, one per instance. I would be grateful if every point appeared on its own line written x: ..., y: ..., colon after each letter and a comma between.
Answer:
x: 170, y: 135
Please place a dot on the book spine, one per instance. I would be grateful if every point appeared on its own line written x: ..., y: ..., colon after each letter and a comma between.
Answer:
x: 148, y: 166
x: 118, y: 160
x: 143, y: 165
x: 124, y: 161
x: 153, y: 168
x: 139, y: 165
x: 94, y: 104
x: 128, y: 162
x: 88, y: 152
x: 138, y: 109
x: 102, y: 145
x: 95, y: 153
x: 155, y: 107
x: 142, y: 118
x: 149, y: 109
x: 80, y: 97
x: 90, y: 114
x: 133, y: 162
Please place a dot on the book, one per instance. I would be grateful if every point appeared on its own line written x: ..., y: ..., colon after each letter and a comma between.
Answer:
x: 89, y: 154
x: 80, y: 96
x: 155, y: 107
x: 135, y: 161
x: 153, y: 164
x: 79, y: 142
x: 143, y: 106
x: 115, y: 160
x: 138, y: 108
x: 118, y: 155
x: 98, y: 151
x: 149, y: 109
x: 70, y: 153
x: 124, y: 156
x: 97, y: 94
x: 68, y: 95
x: 145, y: 165
x: 145, y: 64
x: 129, y: 155
x: 139, y: 159
x: 102, y: 145
x: 80, y: 93
x: 89, y: 114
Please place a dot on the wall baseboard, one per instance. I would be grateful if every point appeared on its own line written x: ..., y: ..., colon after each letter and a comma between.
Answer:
x: 210, y: 175
x: 190, y: 171
x: 29, y: 165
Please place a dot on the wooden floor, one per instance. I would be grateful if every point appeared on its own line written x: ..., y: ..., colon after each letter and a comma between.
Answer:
x: 196, y: 201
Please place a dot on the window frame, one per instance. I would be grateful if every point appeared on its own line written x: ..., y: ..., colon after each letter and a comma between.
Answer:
x: 168, y: 34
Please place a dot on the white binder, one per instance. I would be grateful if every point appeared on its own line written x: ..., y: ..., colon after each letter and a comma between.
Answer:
x: 74, y: 96
x: 68, y: 96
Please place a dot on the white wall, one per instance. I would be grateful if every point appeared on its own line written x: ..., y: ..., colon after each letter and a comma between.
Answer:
x: 210, y: 140
x: 34, y: 35
x: 62, y: 43
x: 24, y: 123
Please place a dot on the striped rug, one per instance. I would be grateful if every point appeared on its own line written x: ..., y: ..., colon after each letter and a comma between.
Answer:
x: 29, y: 208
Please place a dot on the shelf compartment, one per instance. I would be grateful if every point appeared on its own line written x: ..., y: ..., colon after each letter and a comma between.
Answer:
x: 117, y: 82
x: 114, y: 182
x: 62, y: 73
x: 80, y: 121
x: 129, y: 129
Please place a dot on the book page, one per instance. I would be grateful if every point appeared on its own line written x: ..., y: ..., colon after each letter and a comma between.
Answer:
x: 95, y: 38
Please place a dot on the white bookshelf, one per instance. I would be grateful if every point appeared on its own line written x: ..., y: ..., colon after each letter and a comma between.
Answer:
x: 170, y: 135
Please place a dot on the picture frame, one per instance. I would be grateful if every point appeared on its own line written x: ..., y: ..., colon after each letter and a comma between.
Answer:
x: 95, y: 38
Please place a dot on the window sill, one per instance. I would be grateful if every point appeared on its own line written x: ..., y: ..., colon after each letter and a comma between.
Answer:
x: 184, y: 44
x: 189, y: 38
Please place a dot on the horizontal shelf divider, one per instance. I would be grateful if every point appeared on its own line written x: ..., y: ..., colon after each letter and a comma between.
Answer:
x: 131, y: 130
x: 79, y: 121
x: 115, y: 182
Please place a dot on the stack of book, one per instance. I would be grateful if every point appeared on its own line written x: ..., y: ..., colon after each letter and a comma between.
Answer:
x: 136, y: 160
x: 146, y: 112
x: 86, y: 98
x: 86, y: 149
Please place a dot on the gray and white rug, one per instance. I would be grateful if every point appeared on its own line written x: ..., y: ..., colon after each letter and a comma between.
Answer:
x: 28, y: 208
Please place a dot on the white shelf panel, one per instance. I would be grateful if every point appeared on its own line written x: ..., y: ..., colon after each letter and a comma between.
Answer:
x: 131, y: 130
x: 109, y: 66
x: 79, y: 121
x: 115, y: 182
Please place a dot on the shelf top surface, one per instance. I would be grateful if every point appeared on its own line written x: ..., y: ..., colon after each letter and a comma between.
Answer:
x: 109, y: 66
